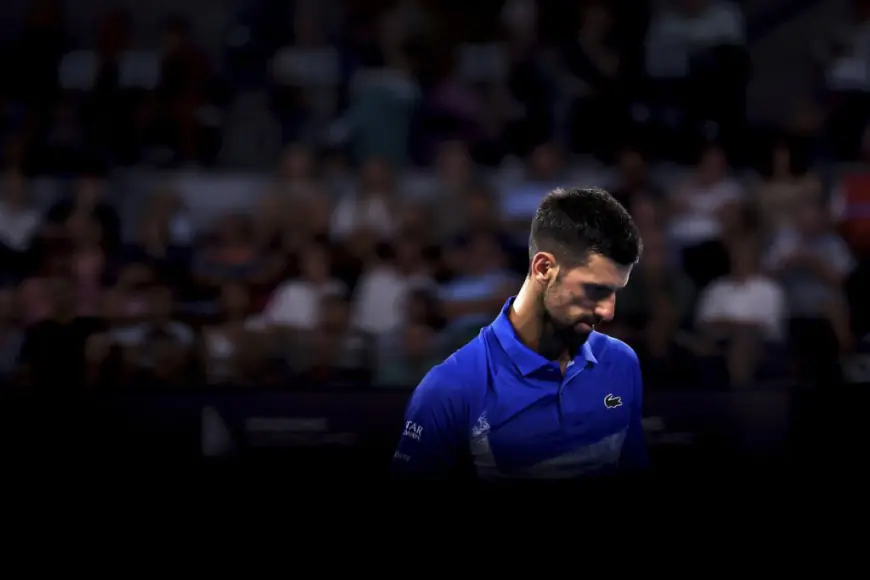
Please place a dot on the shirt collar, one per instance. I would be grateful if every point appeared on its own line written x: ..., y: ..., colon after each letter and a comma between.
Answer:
x: 525, y: 359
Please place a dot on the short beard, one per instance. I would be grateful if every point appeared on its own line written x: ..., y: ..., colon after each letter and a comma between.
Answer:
x: 556, y: 339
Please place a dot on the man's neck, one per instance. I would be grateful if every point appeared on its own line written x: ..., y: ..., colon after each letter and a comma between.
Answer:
x: 528, y: 323
x: 525, y: 318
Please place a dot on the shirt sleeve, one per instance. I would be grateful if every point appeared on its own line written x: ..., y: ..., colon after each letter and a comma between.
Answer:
x: 433, y: 430
x: 634, y: 455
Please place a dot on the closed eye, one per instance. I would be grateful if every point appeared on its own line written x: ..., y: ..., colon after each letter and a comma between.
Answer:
x: 598, y: 292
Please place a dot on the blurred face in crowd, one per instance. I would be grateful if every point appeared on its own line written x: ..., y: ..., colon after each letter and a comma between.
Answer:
x: 307, y: 29
x: 595, y: 20
x: 152, y: 232
x: 645, y: 214
x: 164, y: 203
x: 391, y: 33
x: 134, y: 276
x: 84, y: 232
x: 632, y: 167
x: 781, y: 161
x: 693, y: 7
x: 481, y: 210
x: 545, y: 162
x: 59, y: 261
x: 234, y: 230
x: 418, y: 307
x: 296, y: 163
x: 15, y: 189
x: 414, y: 218
x: 113, y: 308
x: 409, y: 253
x: 811, y: 218
x: 168, y: 357
x: 176, y: 36
x: 575, y: 300
x: 334, y: 313
x: 235, y: 301
x: 744, y: 259
x: 318, y: 212
x: 89, y: 191
x: 113, y: 33
x: 712, y: 167
x: 655, y: 252
x: 274, y: 212
x: 160, y: 304
x: 362, y: 244
x: 63, y: 296
x: 376, y: 177
x: 454, y: 163
x: 417, y: 341
x: 316, y: 264
x: 483, y: 255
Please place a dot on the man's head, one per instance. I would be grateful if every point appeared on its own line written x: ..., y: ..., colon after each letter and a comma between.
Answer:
x: 582, y: 248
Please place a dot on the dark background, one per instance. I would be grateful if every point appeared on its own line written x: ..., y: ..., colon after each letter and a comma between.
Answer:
x: 245, y: 229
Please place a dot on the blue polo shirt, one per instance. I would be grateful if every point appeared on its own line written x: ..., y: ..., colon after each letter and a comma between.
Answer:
x: 511, y: 413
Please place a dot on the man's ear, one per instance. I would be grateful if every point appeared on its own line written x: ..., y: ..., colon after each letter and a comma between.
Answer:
x: 544, y: 268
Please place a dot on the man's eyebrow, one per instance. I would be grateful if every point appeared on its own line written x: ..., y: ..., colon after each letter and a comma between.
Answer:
x: 607, y: 287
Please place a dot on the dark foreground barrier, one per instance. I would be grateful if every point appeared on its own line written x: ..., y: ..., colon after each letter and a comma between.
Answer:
x: 338, y: 431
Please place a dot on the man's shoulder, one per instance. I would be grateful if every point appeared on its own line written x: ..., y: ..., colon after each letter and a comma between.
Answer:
x: 457, y: 374
x: 610, y: 350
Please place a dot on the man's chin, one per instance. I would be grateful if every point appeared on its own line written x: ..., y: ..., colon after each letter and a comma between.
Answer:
x: 583, y: 329
x: 575, y: 336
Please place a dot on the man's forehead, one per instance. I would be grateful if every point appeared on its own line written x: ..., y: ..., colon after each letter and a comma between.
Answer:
x: 599, y: 270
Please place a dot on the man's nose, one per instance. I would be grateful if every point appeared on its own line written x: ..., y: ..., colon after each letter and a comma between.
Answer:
x: 606, y: 308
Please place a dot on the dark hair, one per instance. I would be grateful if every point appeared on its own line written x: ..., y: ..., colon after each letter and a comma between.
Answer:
x: 574, y: 223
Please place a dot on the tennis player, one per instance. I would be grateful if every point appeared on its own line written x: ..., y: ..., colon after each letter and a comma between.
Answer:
x: 539, y: 393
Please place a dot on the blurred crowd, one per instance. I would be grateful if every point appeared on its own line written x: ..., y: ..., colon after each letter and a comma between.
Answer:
x: 341, y: 195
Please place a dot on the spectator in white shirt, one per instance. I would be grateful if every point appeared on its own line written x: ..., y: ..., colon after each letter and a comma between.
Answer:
x: 18, y: 221
x: 678, y: 34
x: 382, y: 295
x: 234, y: 350
x: 138, y: 342
x: 370, y: 208
x: 812, y: 262
x: 295, y: 304
x: 743, y: 314
x: 700, y: 210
